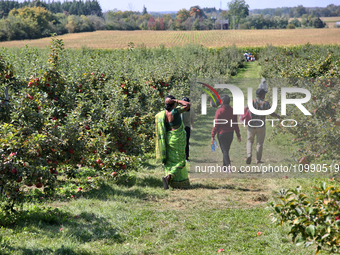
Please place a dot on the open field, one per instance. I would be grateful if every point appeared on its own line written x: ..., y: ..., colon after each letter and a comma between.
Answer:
x: 330, y: 19
x: 216, y: 38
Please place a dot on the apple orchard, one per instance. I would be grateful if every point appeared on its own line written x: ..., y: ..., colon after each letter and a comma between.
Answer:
x: 95, y: 108
x: 53, y: 125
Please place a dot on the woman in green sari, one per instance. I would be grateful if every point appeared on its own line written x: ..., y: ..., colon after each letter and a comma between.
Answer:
x: 171, y: 142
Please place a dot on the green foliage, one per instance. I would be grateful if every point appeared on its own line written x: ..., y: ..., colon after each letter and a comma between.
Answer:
x: 290, y: 26
x: 295, y: 22
x: 311, y: 221
x: 89, y: 108
x: 264, y: 22
x: 238, y: 9
x: 317, y: 70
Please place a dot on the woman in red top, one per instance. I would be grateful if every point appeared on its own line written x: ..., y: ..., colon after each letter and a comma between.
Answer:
x: 225, y: 132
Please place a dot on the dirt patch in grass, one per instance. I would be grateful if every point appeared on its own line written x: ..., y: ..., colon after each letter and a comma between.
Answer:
x: 218, y: 193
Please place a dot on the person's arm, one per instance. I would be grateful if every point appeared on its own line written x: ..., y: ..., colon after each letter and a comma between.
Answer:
x: 216, y: 128
x: 186, y: 105
x: 236, y: 128
x: 246, y: 108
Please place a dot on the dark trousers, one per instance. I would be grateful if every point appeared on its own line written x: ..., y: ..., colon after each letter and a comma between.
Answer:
x: 187, y: 131
x: 225, y: 140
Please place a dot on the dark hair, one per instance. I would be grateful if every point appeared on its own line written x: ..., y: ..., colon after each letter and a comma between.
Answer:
x: 260, y: 92
x: 186, y: 99
x: 168, y: 107
x: 225, y: 100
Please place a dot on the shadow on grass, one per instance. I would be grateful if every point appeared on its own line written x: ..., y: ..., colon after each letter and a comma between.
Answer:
x: 150, y: 181
x: 35, y: 251
x: 52, y: 223
x: 149, y: 166
x: 106, y: 192
x: 230, y: 187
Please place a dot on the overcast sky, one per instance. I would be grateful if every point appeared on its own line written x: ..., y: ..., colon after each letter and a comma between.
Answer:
x: 175, y: 5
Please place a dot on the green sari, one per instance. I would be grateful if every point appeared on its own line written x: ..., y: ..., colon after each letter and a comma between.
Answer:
x: 170, y: 150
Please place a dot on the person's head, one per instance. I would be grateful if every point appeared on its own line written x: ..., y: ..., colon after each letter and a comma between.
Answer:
x: 225, y: 100
x: 261, y: 93
x: 263, y: 85
x: 169, y: 107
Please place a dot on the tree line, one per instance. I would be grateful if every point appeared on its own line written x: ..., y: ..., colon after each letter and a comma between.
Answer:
x: 88, y: 7
x: 296, y: 12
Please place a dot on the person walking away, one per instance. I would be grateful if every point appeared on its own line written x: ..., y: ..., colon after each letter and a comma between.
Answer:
x: 263, y: 85
x: 258, y: 126
x: 188, y: 118
x: 171, y: 142
x: 225, y: 132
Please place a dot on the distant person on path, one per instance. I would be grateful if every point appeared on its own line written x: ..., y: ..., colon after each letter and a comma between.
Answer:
x: 225, y: 132
x: 246, y: 56
x: 257, y: 126
x: 188, y: 118
x: 263, y: 85
x: 171, y: 143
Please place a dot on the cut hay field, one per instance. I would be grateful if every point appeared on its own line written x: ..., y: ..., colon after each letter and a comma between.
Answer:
x: 216, y: 38
x: 330, y: 19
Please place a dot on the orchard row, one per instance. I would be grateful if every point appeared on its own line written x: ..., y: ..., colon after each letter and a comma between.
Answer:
x: 317, y: 69
x: 90, y: 108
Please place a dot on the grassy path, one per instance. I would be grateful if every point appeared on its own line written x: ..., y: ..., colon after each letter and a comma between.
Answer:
x: 145, y: 219
x: 276, y: 151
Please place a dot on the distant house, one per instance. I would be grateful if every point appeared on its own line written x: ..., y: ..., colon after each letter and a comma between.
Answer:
x: 337, y: 24
x: 224, y: 22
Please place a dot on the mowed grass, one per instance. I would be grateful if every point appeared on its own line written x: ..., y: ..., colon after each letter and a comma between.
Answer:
x: 215, y: 38
x: 330, y: 19
x: 212, y: 214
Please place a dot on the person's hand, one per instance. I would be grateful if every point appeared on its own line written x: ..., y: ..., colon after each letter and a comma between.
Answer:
x: 239, y: 139
x: 170, y: 101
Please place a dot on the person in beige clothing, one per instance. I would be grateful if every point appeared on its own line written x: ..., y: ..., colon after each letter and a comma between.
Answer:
x: 188, y: 121
x: 258, y: 126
